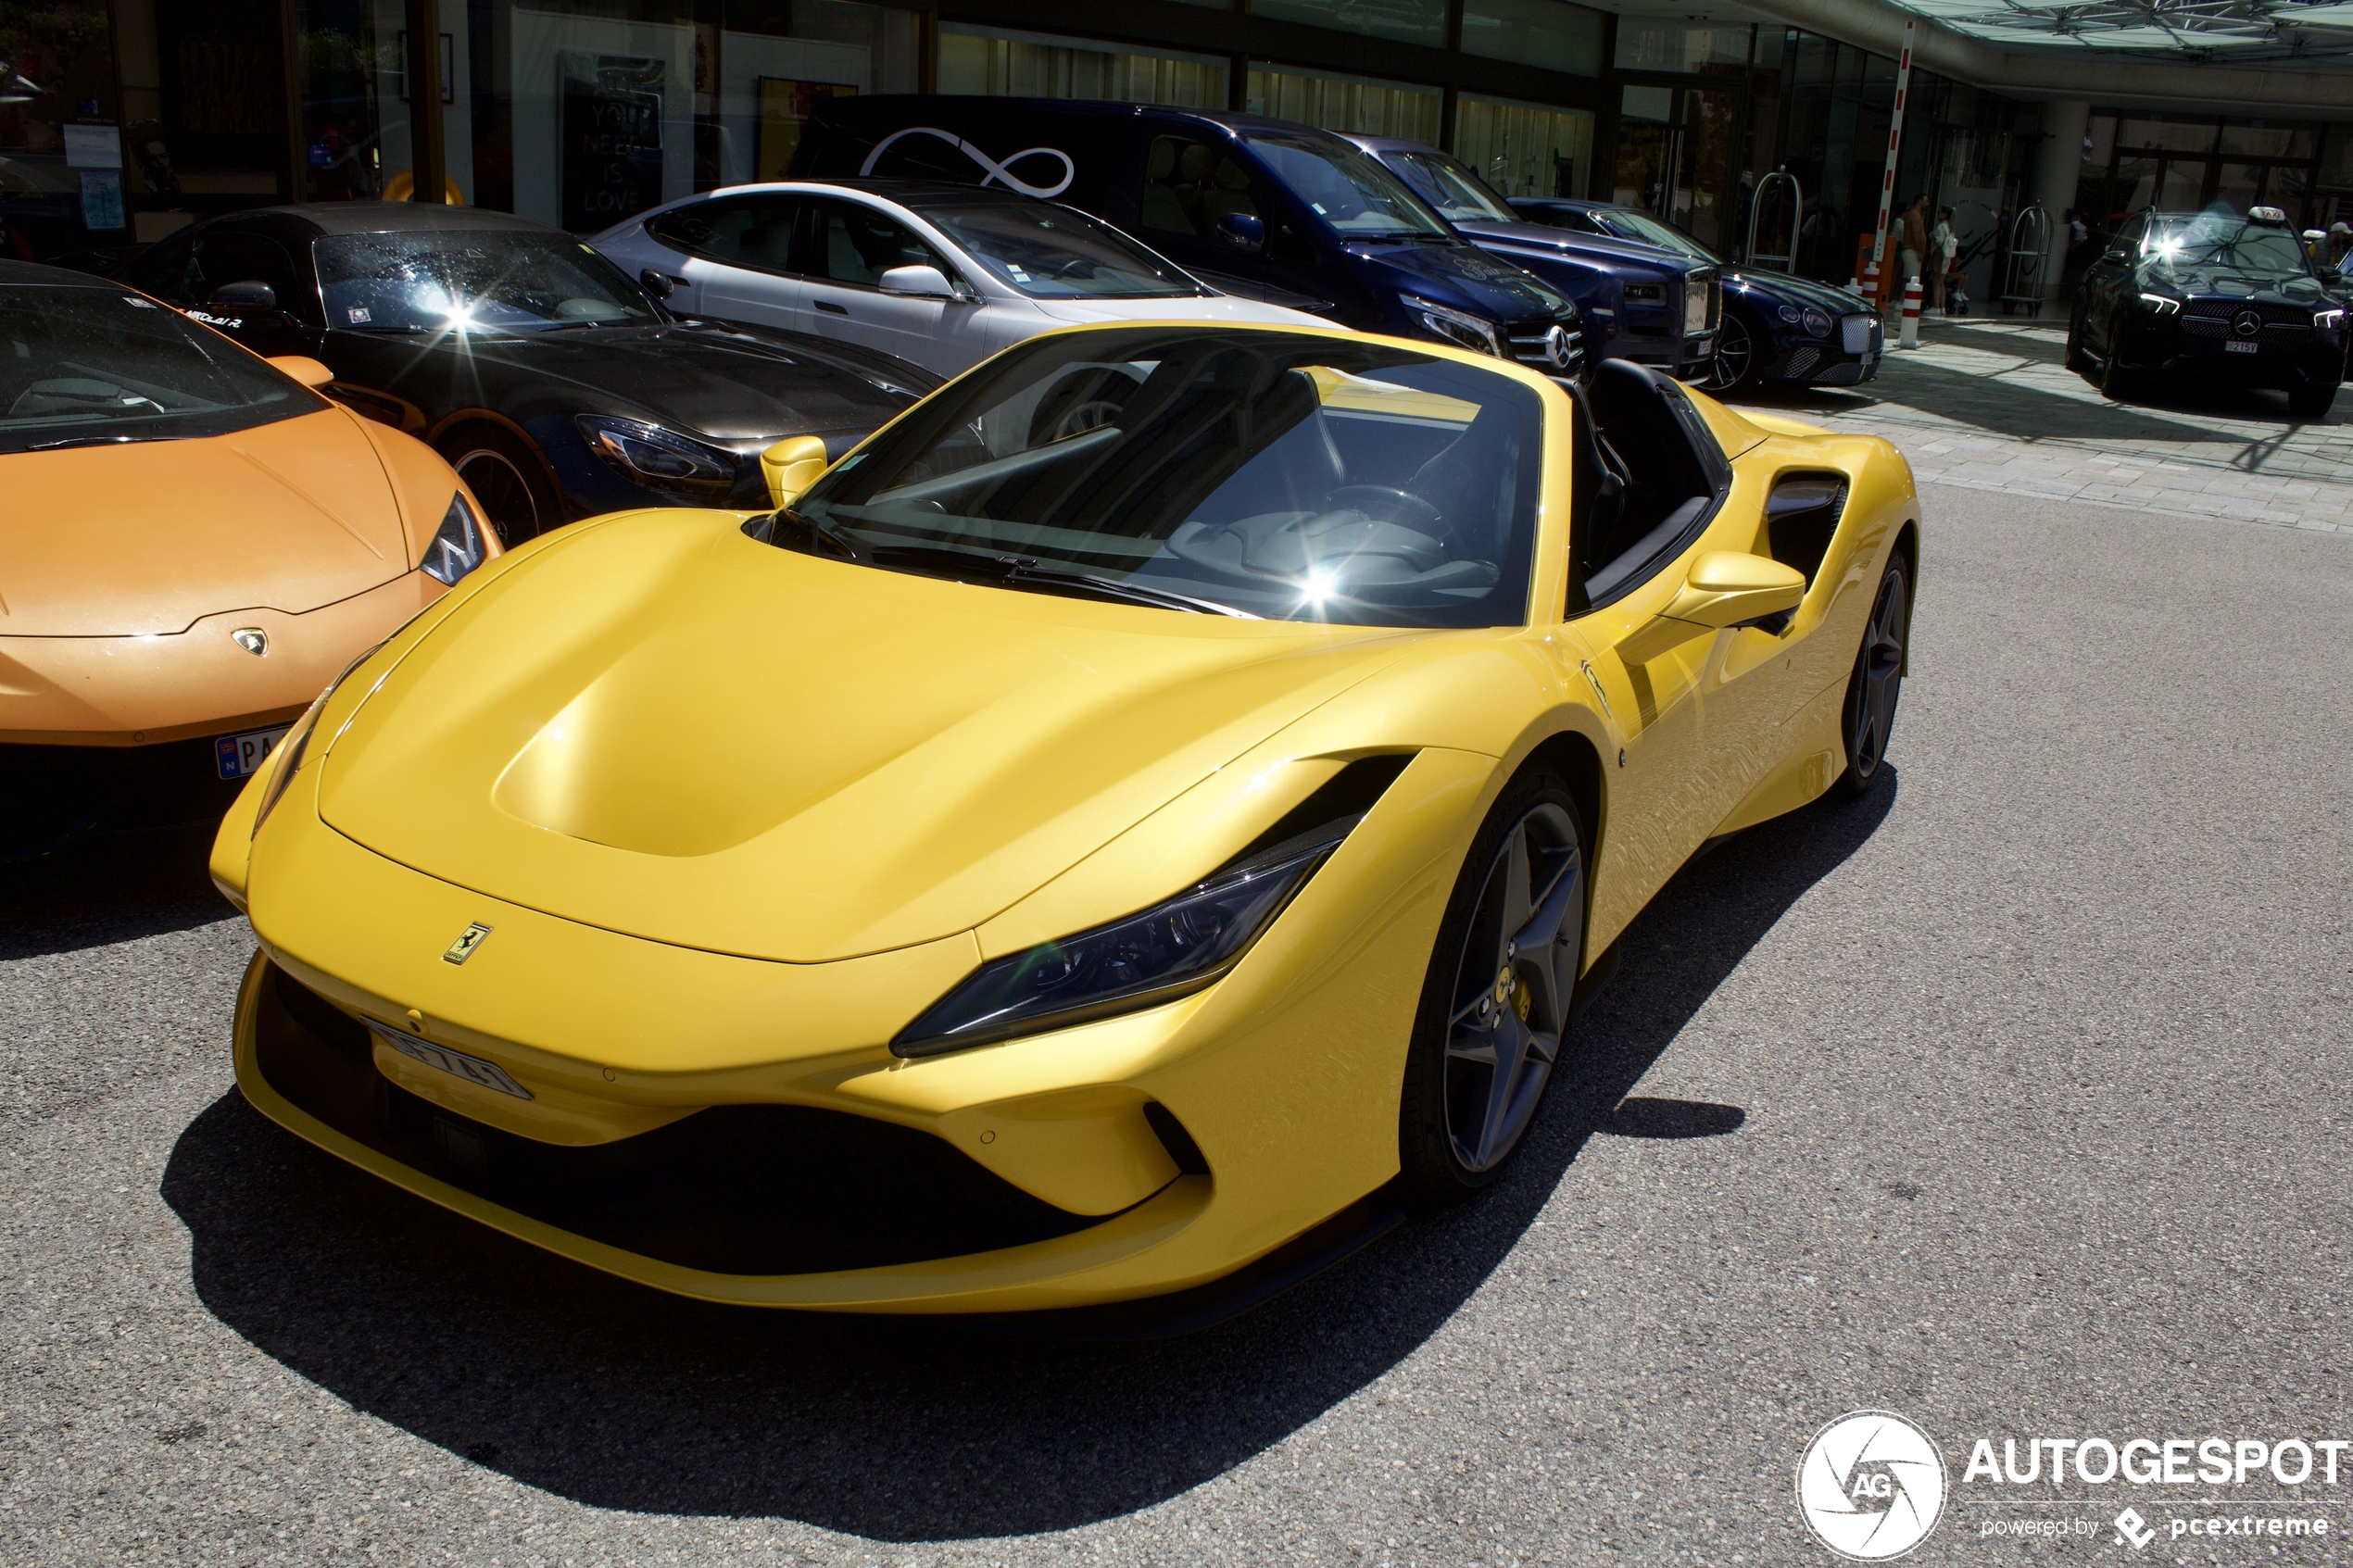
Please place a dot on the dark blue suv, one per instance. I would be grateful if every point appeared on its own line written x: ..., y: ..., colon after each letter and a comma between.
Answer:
x: 1655, y: 306
x: 1257, y: 207
x: 1776, y: 328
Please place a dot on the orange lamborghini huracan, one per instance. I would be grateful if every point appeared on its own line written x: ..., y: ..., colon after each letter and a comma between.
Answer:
x: 194, y: 543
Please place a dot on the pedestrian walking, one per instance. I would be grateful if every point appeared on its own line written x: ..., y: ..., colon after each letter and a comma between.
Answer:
x: 1944, y: 246
x: 1912, y: 237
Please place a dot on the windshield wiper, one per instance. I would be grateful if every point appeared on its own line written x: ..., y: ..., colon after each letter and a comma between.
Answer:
x: 1021, y: 572
x: 70, y: 441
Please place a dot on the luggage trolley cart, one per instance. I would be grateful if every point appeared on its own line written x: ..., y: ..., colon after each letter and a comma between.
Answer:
x: 2029, y: 260
x: 1767, y: 261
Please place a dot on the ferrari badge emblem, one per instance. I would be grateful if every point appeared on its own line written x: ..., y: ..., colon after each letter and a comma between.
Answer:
x: 467, y: 940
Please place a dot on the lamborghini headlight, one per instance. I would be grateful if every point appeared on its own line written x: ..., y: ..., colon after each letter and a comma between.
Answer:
x: 648, y: 455
x: 457, y: 547
x: 291, y: 750
x: 1166, y: 952
x: 1457, y: 327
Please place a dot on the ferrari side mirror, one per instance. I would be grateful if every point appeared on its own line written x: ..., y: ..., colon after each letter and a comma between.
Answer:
x: 1728, y: 588
x: 790, y: 467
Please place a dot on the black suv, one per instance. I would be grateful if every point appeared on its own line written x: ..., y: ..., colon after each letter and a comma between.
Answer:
x: 2207, y: 297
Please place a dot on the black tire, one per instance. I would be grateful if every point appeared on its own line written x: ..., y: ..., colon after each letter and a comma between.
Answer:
x: 2310, y: 402
x: 1736, y: 365
x: 506, y: 477
x: 1868, y: 716
x: 2077, y: 360
x: 1519, y: 1003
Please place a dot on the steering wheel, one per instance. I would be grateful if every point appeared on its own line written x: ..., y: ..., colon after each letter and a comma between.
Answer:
x: 1386, y: 503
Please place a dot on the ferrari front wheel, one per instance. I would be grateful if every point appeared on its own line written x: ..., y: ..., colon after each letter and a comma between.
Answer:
x: 1495, y: 1007
x: 1878, y: 682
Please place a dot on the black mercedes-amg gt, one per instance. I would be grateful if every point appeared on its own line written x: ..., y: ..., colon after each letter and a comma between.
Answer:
x: 2209, y: 298
x: 555, y: 383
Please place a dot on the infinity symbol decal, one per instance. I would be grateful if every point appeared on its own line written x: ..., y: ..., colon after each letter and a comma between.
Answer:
x: 996, y: 170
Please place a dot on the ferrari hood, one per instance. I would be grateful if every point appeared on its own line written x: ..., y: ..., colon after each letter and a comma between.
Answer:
x: 148, y: 537
x: 659, y: 726
x: 731, y: 387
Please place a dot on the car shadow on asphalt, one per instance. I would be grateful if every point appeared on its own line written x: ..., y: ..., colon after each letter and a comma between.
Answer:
x: 100, y: 891
x: 911, y: 1429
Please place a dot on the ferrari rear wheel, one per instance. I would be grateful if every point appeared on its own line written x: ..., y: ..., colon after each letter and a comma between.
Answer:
x: 1496, y: 1008
x: 506, y: 478
x: 1878, y: 682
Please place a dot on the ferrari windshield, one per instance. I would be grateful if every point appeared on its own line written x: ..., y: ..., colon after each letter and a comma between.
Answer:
x: 2219, y: 242
x: 1459, y: 196
x: 1348, y: 189
x: 472, y: 281
x: 1055, y: 253
x: 1244, y: 473
x: 87, y: 367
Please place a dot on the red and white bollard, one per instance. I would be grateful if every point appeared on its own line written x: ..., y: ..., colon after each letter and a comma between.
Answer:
x: 1912, y: 312
x: 1867, y: 286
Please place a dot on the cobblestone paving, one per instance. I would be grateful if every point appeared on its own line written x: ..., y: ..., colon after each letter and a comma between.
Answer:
x: 1988, y: 404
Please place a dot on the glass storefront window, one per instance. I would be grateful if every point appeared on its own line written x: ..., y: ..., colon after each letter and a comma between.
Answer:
x: 1343, y: 103
x: 1525, y: 149
x: 776, y: 63
x: 998, y: 64
x: 2163, y: 133
x: 2257, y: 139
x: 1653, y: 43
x: 1551, y: 34
x: 1407, y: 21
x: 2100, y: 140
x: 61, y: 147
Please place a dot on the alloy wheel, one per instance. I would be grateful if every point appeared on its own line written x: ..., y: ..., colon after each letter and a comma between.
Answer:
x: 1879, y: 678
x: 503, y: 491
x: 1513, y: 987
x: 1735, y: 352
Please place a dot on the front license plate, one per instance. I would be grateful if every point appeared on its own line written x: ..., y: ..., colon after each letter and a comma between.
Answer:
x: 239, y: 757
x: 2240, y: 347
x: 458, y: 1064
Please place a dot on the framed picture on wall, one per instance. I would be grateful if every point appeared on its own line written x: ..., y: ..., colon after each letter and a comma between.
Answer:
x: 784, y: 106
x: 610, y: 148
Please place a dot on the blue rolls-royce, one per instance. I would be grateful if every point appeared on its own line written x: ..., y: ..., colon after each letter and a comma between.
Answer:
x: 1640, y: 302
x: 1778, y: 328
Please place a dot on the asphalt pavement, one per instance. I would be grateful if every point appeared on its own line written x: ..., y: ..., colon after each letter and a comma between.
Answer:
x: 2011, y: 1100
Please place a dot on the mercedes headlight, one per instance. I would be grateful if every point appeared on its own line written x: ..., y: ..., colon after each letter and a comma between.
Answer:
x: 2164, y: 305
x: 457, y: 544
x: 2327, y: 320
x: 1457, y: 327
x: 648, y: 455
x: 1166, y: 952
x: 1817, y: 323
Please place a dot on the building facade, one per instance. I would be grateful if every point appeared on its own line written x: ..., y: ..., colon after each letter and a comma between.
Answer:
x: 122, y: 120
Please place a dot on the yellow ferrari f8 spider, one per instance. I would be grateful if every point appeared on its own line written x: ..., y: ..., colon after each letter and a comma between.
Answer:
x: 1172, y: 784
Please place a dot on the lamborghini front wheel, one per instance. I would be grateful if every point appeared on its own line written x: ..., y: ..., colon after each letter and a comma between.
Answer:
x: 1495, y: 1008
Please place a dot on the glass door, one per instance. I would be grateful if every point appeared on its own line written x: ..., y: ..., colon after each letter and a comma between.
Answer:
x: 1676, y: 146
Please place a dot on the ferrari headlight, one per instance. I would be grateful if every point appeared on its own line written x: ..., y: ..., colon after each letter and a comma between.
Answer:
x: 1457, y: 327
x: 648, y: 455
x: 2164, y: 305
x: 1143, y: 961
x: 457, y: 547
x: 1817, y: 323
x: 297, y: 745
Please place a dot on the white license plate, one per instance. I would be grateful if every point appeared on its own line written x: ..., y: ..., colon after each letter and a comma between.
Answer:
x: 2235, y: 347
x: 458, y: 1064
x: 239, y: 757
